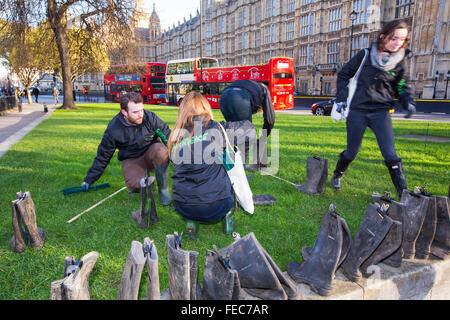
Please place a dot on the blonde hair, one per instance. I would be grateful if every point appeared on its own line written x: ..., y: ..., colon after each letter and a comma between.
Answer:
x: 193, y: 104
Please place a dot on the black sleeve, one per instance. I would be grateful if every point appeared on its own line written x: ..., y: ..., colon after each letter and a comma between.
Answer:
x: 346, y: 73
x: 268, y: 111
x: 402, y: 88
x: 105, y: 152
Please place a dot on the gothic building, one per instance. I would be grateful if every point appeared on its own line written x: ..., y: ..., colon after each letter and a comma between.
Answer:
x: 320, y: 35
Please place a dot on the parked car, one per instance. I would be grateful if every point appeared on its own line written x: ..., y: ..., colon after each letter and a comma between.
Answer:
x: 322, y: 108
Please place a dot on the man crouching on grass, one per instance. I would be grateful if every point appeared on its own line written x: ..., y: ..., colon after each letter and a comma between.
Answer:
x: 136, y: 133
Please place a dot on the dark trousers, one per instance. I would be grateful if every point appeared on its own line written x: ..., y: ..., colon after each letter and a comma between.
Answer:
x: 207, y: 213
x: 380, y: 123
x: 235, y: 104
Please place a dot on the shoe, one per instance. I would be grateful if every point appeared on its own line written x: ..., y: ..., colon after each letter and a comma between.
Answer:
x: 162, y: 179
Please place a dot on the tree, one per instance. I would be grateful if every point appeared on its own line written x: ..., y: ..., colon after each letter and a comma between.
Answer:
x: 105, y: 21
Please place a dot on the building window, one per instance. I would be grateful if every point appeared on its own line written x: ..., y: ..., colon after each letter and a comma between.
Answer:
x: 361, y: 8
x: 306, y: 55
x: 327, y: 88
x: 257, y: 39
x: 404, y: 8
x: 208, y: 30
x: 305, y: 2
x: 258, y: 14
x: 270, y: 8
x: 232, y: 23
x: 208, y: 50
x: 290, y: 6
x: 358, y: 43
x: 290, y: 30
x: 242, y: 41
x: 289, y: 53
x: 304, y: 87
x: 333, y: 52
x: 334, y: 19
x: 307, y: 26
x: 222, y: 46
x: 222, y: 25
x: 269, y: 34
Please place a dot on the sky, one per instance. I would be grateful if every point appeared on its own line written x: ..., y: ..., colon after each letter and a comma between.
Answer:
x: 169, y: 12
x: 172, y: 11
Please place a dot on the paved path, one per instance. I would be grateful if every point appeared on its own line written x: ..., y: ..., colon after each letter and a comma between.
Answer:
x: 15, y: 125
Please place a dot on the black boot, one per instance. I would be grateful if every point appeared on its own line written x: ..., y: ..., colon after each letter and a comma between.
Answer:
x: 440, y: 246
x: 220, y: 281
x: 162, y: 178
x: 316, y: 176
x: 372, y: 230
x: 396, y: 211
x: 183, y: 270
x: 141, y: 216
x: 426, y: 235
x: 397, y: 175
x: 341, y: 166
x: 319, y: 269
x: 258, y: 274
x: 416, y: 208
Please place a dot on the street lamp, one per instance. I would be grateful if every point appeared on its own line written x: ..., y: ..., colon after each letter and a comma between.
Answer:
x: 435, y: 81
x: 446, y: 84
x: 352, y: 19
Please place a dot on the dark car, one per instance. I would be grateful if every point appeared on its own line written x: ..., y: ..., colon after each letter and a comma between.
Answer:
x: 322, y: 108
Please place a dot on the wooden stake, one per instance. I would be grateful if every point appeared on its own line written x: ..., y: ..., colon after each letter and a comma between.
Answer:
x: 98, y: 203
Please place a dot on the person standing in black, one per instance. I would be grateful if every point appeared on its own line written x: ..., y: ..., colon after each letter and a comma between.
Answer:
x: 239, y: 101
x: 382, y: 79
x: 35, y: 93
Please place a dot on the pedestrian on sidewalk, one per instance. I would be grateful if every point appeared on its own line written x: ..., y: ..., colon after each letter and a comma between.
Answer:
x: 56, y: 94
x: 35, y: 93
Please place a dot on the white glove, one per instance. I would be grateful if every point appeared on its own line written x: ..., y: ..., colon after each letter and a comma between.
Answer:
x: 339, y: 111
x: 85, y: 185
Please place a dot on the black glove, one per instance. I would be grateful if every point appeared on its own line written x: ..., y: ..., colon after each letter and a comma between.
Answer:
x: 411, y: 110
x: 85, y: 185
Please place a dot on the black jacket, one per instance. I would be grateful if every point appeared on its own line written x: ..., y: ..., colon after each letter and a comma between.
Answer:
x: 376, y: 89
x: 260, y: 97
x: 205, y: 181
x: 131, y: 140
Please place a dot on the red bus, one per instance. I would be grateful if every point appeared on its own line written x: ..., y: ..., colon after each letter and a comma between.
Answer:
x: 146, y: 78
x: 187, y: 75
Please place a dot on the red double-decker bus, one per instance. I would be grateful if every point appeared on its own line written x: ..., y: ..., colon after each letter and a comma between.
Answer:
x: 147, y: 78
x: 204, y: 76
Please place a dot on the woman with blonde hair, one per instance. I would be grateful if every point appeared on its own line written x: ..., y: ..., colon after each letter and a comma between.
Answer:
x: 201, y: 188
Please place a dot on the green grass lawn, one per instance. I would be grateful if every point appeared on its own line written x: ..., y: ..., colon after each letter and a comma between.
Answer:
x: 58, y: 152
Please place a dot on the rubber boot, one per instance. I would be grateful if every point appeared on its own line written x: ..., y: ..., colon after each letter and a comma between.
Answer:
x: 390, y: 244
x: 162, y: 178
x: 261, y: 156
x: 25, y: 207
x: 440, y: 247
x: 220, y: 281
x: 341, y: 167
x: 191, y: 231
x: 141, y: 216
x: 372, y: 230
x: 152, y: 204
x: 132, y: 272
x: 151, y: 262
x: 319, y: 269
x: 416, y: 208
x: 258, y: 275
x: 397, y: 176
x: 396, y: 211
x: 75, y: 285
x: 316, y: 170
x: 183, y: 270
x: 228, y: 223
x: 426, y: 235
x: 346, y: 242
x: 20, y: 239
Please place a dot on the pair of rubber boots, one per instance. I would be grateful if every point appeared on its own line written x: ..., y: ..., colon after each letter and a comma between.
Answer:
x: 183, y: 270
x: 321, y: 262
x: 193, y: 227
x: 140, y: 256
x: 316, y: 175
x: 142, y: 215
x: 23, y: 212
x: 244, y: 264
x: 428, y: 229
x: 396, y: 171
x: 75, y: 284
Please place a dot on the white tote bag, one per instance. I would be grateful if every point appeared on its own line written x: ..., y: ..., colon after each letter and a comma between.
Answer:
x: 352, y: 85
x: 238, y: 178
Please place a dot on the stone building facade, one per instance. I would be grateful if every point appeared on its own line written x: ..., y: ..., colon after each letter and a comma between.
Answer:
x: 319, y: 35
